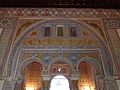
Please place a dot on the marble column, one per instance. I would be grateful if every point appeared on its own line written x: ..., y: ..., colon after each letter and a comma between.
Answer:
x: 75, y: 85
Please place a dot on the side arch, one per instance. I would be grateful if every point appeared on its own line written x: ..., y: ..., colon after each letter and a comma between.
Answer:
x: 92, y: 60
x: 26, y: 62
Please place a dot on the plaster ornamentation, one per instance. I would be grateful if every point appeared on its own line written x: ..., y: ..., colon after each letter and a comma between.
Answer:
x: 59, y: 44
x: 59, y: 12
x: 30, y: 45
x: 111, y: 23
x: 7, y: 22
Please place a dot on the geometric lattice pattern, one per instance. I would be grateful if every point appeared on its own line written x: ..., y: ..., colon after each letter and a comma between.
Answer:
x: 87, y: 72
x: 33, y: 80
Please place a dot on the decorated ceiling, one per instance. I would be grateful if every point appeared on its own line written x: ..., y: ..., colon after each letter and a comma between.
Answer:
x: 61, y: 3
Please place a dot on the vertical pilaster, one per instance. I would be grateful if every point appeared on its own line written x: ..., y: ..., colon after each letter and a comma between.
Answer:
x: 8, y: 26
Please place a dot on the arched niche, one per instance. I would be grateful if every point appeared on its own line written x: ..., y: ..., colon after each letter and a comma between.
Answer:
x: 29, y: 75
x: 98, y: 66
x: 22, y: 65
x: 89, y: 68
x: 32, y: 74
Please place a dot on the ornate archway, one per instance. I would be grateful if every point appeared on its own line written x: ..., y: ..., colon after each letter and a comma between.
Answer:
x: 29, y: 75
x: 32, y: 76
x: 33, y: 43
x: 97, y: 40
x: 89, y: 69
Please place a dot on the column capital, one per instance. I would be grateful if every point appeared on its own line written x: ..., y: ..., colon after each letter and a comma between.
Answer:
x: 46, y: 77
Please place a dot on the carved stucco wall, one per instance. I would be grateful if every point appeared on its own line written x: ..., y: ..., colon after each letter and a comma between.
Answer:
x: 15, y: 21
x: 8, y: 27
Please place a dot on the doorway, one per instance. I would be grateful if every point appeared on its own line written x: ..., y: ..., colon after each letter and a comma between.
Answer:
x: 59, y: 82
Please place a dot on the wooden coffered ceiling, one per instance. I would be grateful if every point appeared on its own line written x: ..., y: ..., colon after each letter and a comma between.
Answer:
x: 62, y: 3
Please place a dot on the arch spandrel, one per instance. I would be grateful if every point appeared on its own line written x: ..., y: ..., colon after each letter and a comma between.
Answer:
x: 96, y: 25
x: 23, y: 25
x: 32, y: 75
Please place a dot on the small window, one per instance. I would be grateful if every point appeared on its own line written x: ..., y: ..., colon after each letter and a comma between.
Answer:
x: 59, y: 31
x: 73, y: 31
x: 47, y: 32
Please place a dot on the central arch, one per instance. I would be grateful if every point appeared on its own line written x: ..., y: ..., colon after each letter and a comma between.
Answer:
x: 16, y: 46
x: 59, y: 82
x: 55, y: 70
